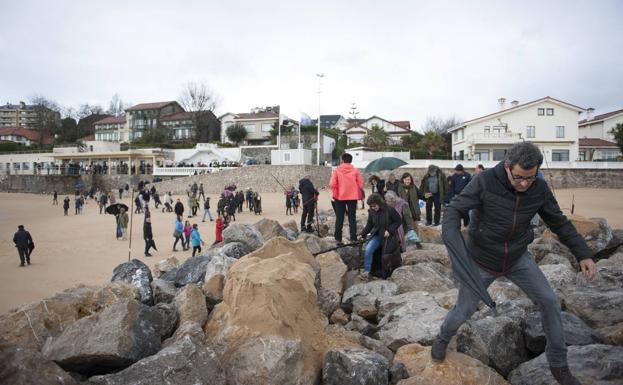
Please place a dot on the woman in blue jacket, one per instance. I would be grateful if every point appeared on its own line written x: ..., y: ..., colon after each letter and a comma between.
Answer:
x: 178, y: 232
x: 195, y: 239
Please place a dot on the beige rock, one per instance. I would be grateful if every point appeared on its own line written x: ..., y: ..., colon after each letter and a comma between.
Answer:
x: 612, y: 335
x: 164, y: 266
x: 31, y: 324
x: 339, y: 317
x: 457, y: 369
x: 332, y: 271
x: 191, y: 305
x: 430, y: 234
x: 213, y: 287
x: 188, y: 328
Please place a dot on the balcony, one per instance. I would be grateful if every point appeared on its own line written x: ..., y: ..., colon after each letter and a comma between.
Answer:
x: 493, y: 138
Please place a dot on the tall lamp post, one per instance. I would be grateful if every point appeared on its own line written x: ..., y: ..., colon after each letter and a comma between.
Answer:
x: 320, y: 76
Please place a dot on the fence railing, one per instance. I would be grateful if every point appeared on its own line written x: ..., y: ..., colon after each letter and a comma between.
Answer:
x: 187, y: 171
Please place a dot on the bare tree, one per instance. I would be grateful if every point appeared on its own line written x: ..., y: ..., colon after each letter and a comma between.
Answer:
x: 47, y: 119
x: 198, y: 99
x: 116, y: 106
x: 87, y: 109
x: 440, y: 125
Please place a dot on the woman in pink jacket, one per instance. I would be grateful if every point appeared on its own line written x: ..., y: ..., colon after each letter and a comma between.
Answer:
x: 346, y: 184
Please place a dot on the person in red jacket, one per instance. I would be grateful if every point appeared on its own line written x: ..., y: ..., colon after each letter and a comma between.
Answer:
x: 346, y: 184
x: 219, y: 230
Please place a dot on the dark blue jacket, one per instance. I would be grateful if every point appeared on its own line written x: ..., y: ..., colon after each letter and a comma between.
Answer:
x: 457, y: 184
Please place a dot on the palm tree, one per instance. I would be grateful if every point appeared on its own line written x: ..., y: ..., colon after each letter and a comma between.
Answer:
x: 377, y: 138
x: 432, y: 143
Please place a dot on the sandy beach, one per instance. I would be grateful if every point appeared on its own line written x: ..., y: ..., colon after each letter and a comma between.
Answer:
x: 83, y: 249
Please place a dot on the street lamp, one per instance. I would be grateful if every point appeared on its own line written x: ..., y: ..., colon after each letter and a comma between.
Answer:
x: 320, y: 77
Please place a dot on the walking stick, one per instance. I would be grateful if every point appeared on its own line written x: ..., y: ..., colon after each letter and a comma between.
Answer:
x: 131, y: 216
x: 360, y: 242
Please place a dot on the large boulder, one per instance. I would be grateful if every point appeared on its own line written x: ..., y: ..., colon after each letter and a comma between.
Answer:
x: 216, y: 274
x: 430, y: 234
x: 182, y: 363
x: 137, y: 274
x: 189, y: 329
x: 234, y: 250
x: 112, y: 339
x: 556, y: 259
x: 426, y: 276
x: 354, y: 367
x: 164, y: 266
x: 292, y: 227
x: 591, y: 364
x: 329, y: 301
x: 332, y: 271
x: 191, y: 305
x: 352, y: 256
x: 596, y: 231
x: 547, y: 244
x: 417, y: 320
x: 270, y: 228
x: 193, y: 270
x: 560, y: 277
x: 497, y: 342
x: 243, y: 233
x: 30, y: 325
x: 170, y: 318
x: 313, y: 243
x: 457, y: 369
x: 269, y: 328
x: 577, y: 332
x: 164, y: 291
x: 371, y: 290
x: 26, y: 366
x: 430, y: 252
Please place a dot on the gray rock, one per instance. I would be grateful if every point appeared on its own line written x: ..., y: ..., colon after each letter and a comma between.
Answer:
x: 555, y: 259
x: 191, y: 305
x: 376, y: 346
x: 219, y: 264
x: 182, y: 363
x: 354, y: 367
x: 373, y: 290
x: 397, y: 372
x: 112, y: 339
x: 545, y: 245
x: 138, y: 275
x: 431, y: 252
x: 560, y: 277
x: 503, y: 290
x: 576, y: 332
x: 496, y: 342
x: 164, y: 291
x: 427, y: 276
x: 365, y: 307
x: 246, y: 234
x: 600, y: 237
x: 516, y: 309
x: 591, y: 364
x: 313, y: 243
x: 26, y: 366
x: 270, y: 228
x: 170, y: 318
x: 361, y: 325
x: 193, y: 270
x: 266, y: 360
x: 352, y: 256
x: 187, y: 329
x: 329, y: 301
x: 234, y: 250
x: 417, y: 320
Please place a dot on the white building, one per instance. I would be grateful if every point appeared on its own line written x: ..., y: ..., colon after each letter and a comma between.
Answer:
x: 258, y: 123
x: 204, y: 153
x: 291, y: 157
x: 112, y: 129
x: 596, y: 140
x: 549, y: 123
x: 357, y: 129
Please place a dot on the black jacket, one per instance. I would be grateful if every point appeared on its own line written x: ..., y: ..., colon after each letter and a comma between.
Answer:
x: 22, y: 239
x: 456, y: 184
x: 389, y: 186
x: 308, y: 191
x: 380, y: 186
x: 179, y: 208
x: 147, y: 233
x: 500, y: 231
x: 377, y: 224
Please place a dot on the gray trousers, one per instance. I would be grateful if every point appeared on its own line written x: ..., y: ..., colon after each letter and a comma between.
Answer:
x: 527, y: 275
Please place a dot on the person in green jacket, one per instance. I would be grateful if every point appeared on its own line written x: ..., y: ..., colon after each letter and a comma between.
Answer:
x: 434, y: 187
x: 122, y: 222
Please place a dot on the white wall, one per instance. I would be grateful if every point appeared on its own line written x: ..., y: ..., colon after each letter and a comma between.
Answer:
x: 29, y: 159
x: 291, y: 157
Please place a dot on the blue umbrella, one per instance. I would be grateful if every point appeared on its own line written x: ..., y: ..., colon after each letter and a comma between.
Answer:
x: 384, y: 163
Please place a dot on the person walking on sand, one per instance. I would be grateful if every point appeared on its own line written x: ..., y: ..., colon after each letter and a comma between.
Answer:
x: 206, y: 210
x: 122, y: 222
x: 103, y: 201
x: 505, y: 198
x: 66, y: 205
x: 202, y: 194
x: 195, y: 239
x: 24, y: 244
x: 178, y: 231
x: 54, y: 198
x: 187, y: 232
x: 346, y: 186
x: 148, y: 235
x: 219, y: 226
x: 179, y: 208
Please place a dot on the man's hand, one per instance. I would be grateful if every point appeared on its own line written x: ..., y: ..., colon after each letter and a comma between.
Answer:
x: 588, y: 268
x: 386, y: 233
x: 428, y: 195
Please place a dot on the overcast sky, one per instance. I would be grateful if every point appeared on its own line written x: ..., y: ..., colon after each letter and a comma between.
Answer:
x: 401, y: 60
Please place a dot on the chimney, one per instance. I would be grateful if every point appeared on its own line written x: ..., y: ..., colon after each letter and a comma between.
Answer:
x: 514, y: 103
x: 502, y: 103
x: 589, y: 113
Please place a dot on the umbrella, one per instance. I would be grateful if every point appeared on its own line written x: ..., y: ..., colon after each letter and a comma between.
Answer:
x: 384, y: 163
x: 114, y: 209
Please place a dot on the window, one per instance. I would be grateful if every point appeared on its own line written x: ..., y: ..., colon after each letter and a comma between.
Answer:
x: 550, y: 112
x: 481, y: 155
x: 540, y: 111
x: 266, y: 127
x: 582, y: 155
x: 249, y: 127
x: 461, y: 134
x: 487, y: 130
x: 609, y: 154
x: 286, y: 156
x: 560, y: 131
x: 461, y: 155
x: 499, y: 154
x: 530, y: 131
x: 455, y: 137
x: 560, y: 155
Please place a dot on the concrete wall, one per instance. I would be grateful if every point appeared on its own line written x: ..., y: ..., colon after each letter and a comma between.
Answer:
x: 256, y: 177
x: 45, y: 184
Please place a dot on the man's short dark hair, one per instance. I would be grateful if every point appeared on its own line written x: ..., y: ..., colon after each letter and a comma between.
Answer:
x: 20, y: 227
x: 525, y: 154
x: 347, y: 158
x: 480, y: 166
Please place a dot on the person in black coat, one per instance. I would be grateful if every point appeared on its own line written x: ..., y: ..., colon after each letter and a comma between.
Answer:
x: 148, y: 235
x: 24, y: 244
x: 383, y: 222
x: 66, y: 205
x: 179, y: 208
x: 377, y: 184
x: 456, y: 184
x: 309, y: 194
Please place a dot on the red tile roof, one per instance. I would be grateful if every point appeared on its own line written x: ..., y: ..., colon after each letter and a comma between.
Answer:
x: 596, y: 142
x: 403, y: 124
x: 178, y: 116
x: 257, y: 115
x: 87, y: 138
x: 601, y: 117
x: 32, y: 135
x: 150, y: 106
x: 112, y: 120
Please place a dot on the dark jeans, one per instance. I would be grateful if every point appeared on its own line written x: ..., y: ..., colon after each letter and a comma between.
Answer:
x: 433, y: 200
x: 340, y: 209
x: 148, y: 246
x: 24, y: 254
x: 527, y: 275
x: 201, y: 195
x: 196, y: 249
x: 180, y: 238
x: 307, y: 218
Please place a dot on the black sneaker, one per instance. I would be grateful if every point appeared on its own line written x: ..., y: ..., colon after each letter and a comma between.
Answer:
x: 148, y: 255
x: 419, y: 246
x: 564, y: 376
x: 438, y: 350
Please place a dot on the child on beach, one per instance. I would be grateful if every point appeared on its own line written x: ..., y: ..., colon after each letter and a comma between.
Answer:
x: 187, y: 232
x: 195, y: 239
